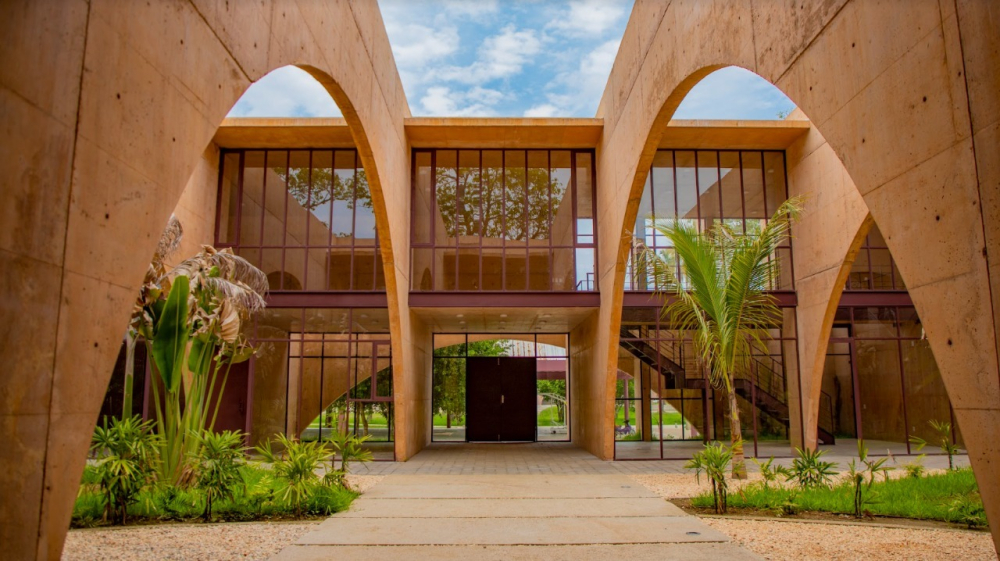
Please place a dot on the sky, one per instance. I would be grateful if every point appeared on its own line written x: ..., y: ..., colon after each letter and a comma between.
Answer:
x: 525, y: 58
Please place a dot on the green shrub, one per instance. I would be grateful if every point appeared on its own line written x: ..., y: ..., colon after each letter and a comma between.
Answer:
x: 294, y: 468
x: 216, y: 462
x: 768, y: 472
x: 809, y: 471
x: 943, y: 439
x: 127, y: 452
x: 968, y: 509
x: 351, y: 449
x: 915, y: 469
x: 713, y: 460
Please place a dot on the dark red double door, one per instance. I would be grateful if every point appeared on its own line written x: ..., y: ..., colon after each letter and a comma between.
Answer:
x: 501, y: 402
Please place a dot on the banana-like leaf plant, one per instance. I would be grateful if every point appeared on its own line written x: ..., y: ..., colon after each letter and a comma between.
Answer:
x: 170, y: 241
x: 723, y: 299
x: 192, y: 319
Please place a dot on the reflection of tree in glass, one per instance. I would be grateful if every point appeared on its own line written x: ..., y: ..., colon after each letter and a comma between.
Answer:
x: 487, y: 196
x: 556, y: 389
x: 326, y: 186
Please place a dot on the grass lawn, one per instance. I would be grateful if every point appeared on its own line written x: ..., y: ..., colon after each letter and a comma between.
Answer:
x: 374, y: 420
x: 549, y: 417
x: 442, y: 421
x: 926, y: 498
x: 669, y: 418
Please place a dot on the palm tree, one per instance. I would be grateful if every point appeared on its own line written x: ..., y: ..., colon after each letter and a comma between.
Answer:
x: 723, y: 299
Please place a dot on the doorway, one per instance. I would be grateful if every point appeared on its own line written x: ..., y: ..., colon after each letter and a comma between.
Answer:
x: 501, y: 402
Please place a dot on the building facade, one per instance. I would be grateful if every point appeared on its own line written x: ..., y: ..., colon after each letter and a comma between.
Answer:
x: 503, y: 245
x: 112, y: 124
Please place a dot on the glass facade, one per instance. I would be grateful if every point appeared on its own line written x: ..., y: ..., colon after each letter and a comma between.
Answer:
x: 503, y: 220
x: 448, y: 402
x: 304, y: 217
x: 666, y: 408
x: 319, y: 370
x: 703, y: 188
x: 874, y: 268
x: 883, y: 379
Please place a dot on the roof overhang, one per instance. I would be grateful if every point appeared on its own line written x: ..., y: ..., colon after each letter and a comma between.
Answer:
x: 463, y: 132
x: 246, y: 132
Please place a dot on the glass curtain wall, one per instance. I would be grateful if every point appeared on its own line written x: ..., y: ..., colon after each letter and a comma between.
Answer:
x: 884, y: 381
x: 323, y: 370
x: 448, y: 401
x: 304, y: 217
x: 705, y: 188
x: 665, y: 407
x: 874, y: 268
x: 503, y: 220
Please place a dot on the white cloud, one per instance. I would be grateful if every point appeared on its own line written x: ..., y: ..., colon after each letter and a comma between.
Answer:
x: 416, y: 45
x: 543, y: 110
x: 474, y: 102
x: 733, y: 93
x: 500, y: 56
x: 578, y: 91
x: 286, y: 92
x: 589, y: 17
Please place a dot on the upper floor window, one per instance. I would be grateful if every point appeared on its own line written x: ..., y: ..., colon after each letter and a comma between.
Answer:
x: 503, y: 220
x: 874, y: 267
x: 740, y: 188
x: 304, y: 217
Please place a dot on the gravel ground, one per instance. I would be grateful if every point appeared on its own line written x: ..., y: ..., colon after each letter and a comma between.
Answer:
x: 183, y: 542
x: 245, y: 541
x: 780, y: 540
x: 684, y: 485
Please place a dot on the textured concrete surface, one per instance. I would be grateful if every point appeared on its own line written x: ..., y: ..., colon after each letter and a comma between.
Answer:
x: 109, y: 108
x: 510, y: 515
x: 634, y: 552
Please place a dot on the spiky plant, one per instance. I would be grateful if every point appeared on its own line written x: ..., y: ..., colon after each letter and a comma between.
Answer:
x: 294, y: 467
x: 944, y: 441
x: 724, y: 300
x: 126, y: 463
x: 713, y: 460
x: 192, y: 319
x: 217, y: 465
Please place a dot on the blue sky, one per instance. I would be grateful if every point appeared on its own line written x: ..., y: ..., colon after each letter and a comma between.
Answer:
x: 492, y: 58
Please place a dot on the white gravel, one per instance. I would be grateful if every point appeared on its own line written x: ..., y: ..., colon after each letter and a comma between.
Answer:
x: 184, y: 542
x: 780, y: 540
x: 244, y: 541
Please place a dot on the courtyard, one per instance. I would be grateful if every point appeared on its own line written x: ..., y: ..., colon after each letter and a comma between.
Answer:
x: 299, y: 279
x: 533, y: 501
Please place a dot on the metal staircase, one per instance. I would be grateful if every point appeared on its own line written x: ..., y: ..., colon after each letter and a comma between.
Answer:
x: 763, y: 386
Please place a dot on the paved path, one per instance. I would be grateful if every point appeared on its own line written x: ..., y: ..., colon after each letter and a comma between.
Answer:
x: 511, y: 502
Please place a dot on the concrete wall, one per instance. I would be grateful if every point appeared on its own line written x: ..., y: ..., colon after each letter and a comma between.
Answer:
x: 105, y: 119
x: 905, y: 94
x: 832, y: 228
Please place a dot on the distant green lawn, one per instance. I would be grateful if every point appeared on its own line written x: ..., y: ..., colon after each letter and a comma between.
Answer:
x: 375, y: 420
x: 669, y: 418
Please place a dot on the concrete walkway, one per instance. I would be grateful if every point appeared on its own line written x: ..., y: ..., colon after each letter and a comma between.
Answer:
x: 511, y: 502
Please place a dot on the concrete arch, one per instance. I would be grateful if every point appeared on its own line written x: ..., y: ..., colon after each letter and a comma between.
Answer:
x: 901, y: 96
x: 106, y: 122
